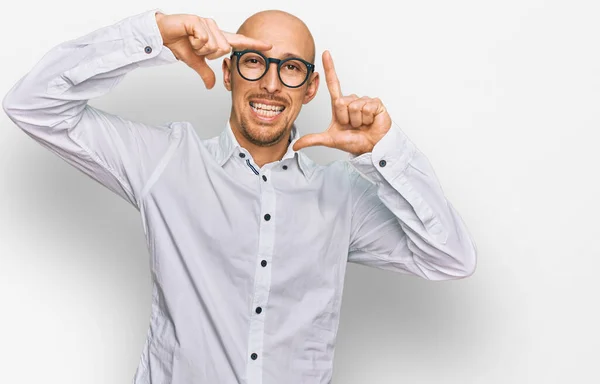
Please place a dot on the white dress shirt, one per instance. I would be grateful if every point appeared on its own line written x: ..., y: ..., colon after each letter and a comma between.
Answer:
x: 247, y: 262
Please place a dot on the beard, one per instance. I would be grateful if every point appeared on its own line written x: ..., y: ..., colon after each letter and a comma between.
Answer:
x: 264, y: 137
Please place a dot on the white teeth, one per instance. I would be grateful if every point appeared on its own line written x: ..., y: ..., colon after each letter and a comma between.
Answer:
x: 267, y: 107
x: 266, y: 113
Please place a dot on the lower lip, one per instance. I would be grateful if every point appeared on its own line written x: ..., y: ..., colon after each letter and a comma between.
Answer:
x: 265, y: 118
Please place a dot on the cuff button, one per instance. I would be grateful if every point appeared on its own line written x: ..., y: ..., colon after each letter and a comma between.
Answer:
x: 148, y: 49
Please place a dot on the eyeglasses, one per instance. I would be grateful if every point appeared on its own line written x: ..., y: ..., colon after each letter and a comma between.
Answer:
x: 253, y: 65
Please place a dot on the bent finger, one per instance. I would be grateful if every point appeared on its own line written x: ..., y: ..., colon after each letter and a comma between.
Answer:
x: 223, y: 47
x: 355, y: 111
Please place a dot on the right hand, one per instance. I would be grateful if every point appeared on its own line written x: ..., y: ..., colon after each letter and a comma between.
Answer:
x: 193, y: 39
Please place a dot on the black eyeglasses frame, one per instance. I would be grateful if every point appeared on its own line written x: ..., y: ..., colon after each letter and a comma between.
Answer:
x: 268, y: 61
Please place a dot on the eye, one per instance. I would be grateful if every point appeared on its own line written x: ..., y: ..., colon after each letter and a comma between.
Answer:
x: 251, y: 59
x: 292, y: 67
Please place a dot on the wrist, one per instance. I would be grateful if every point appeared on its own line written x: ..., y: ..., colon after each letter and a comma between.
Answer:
x: 159, y: 16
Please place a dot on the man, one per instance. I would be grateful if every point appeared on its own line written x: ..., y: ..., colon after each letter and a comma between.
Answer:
x: 249, y: 239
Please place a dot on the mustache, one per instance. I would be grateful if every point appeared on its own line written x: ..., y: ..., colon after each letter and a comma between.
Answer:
x: 270, y: 97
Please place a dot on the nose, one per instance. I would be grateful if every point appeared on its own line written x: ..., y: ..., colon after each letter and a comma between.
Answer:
x: 270, y: 81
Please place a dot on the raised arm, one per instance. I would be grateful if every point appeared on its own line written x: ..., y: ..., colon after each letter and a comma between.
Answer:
x: 401, y: 219
x: 50, y: 102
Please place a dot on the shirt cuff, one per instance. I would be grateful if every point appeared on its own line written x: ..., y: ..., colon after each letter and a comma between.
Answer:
x: 149, y: 28
x: 389, y: 158
x: 136, y: 39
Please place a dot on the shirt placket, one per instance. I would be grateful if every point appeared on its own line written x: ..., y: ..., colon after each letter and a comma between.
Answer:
x: 262, y: 277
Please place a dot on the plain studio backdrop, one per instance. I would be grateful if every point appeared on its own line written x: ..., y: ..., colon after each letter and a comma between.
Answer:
x: 501, y: 96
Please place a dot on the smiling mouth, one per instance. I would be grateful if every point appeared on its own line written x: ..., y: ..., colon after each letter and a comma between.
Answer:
x: 266, y: 110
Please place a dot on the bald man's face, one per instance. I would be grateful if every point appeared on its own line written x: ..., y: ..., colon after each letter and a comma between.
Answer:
x: 255, y: 103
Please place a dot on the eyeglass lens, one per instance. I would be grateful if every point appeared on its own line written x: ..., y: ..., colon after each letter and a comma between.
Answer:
x: 292, y: 72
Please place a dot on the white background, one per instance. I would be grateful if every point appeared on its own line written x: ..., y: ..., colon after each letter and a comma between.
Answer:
x: 502, y: 97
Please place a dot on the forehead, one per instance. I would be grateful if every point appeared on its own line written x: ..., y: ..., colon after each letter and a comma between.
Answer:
x: 287, y: 36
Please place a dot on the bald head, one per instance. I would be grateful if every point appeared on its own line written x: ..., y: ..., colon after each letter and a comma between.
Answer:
x: 286, y: 32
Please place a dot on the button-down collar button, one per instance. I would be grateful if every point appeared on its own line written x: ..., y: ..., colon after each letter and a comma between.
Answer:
x: 267, y: 217
x: 264, y: 178
x: 284, y: 167
x: 242, y: 155
x: 254, y: 356
x: 148, y: 49
x: 382, y: 163
x: 258, y: 309
x: 263, y: 263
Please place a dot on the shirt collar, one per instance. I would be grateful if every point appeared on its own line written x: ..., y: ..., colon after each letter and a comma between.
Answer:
x: 228, y: 145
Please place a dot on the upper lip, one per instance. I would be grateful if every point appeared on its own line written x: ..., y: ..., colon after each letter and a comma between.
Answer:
x: 267, y: 102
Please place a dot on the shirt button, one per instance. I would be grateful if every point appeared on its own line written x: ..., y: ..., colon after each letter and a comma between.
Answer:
x: 148, y: 49
x: 285, y: 167
x: 258, y: 310
x: 254, y: 356
x: 267, y: 217
x: 242, y: 155
x: 263, y: 263
x: 264, y: 178
x: 382, y: 163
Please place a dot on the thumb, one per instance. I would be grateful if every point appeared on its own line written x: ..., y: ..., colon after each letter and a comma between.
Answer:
x: 198, y: 64
x: 312, y: 139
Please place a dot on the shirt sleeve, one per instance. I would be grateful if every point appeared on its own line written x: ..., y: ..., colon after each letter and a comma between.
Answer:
x: 401, y: 220
x: 49, y: 104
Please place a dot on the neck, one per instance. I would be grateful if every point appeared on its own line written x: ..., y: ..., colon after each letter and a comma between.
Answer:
x: 260, y: 154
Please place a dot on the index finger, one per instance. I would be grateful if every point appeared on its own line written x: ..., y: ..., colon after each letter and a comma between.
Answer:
x: 245, y: 42
x: 333, y: 84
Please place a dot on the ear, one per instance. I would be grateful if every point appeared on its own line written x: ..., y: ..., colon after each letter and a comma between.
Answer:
x: 311, y: 89
x: 227, y: 73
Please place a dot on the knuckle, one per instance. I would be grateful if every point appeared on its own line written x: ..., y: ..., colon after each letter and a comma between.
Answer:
x: 354, y: 107
x: 202, y: 38
x: 224, y: 48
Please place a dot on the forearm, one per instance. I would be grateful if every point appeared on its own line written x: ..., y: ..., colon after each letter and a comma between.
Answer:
x: 50, y: 104
x: 54, y: 93
x: 429, y: 234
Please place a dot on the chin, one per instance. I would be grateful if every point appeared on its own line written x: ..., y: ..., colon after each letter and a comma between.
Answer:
x: 263, y: 133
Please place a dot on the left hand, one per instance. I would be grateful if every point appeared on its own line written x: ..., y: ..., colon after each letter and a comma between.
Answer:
x: 357, y: 124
